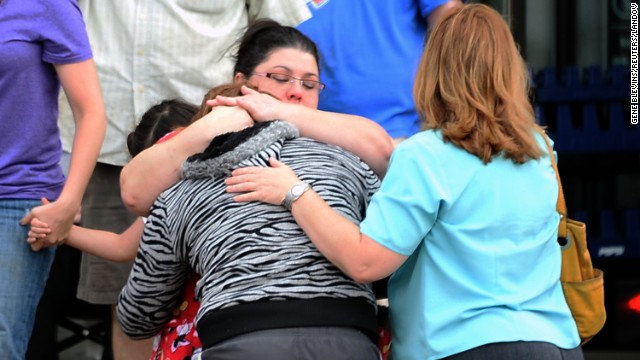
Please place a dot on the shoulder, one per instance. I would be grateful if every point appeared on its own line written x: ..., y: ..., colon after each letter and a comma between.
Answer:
x: 59, y: 10
x: 427, y: 141
x: 427, y: 152
x: 64, y: 33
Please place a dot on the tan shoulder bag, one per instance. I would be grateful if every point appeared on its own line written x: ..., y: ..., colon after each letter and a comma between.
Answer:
x: 583, y: 285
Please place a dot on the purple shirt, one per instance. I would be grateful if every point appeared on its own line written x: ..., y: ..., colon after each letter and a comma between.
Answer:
x: 34, y: 35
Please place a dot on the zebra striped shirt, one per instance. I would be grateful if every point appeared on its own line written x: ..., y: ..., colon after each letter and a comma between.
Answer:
x: 244, y: 252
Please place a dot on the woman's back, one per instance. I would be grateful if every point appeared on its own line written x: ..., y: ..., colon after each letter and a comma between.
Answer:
x: 489, y: 241
x: 251, y: 254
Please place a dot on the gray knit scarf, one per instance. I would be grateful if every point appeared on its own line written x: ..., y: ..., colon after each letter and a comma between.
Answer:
x: 227, y: 150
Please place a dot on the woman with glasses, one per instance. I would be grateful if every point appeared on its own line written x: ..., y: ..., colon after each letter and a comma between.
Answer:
x: 275, y: 60
x: 465, y: 217
x: 280, y: 67
x: 265, y: 291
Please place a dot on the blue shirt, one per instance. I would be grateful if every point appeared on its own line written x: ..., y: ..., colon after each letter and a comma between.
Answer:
x: 370, y: 51
x: 35, y: 34
x: 484, y: 262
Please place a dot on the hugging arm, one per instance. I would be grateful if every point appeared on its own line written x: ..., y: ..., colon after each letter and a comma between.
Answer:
x: 357, y: 134
x: 337, y: 238
x: 158, y: 167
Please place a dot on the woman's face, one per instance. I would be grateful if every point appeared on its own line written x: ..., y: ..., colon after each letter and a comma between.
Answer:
x: 290, y: 75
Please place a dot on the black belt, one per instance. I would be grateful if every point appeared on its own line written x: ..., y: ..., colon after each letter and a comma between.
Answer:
x: 219, y: 325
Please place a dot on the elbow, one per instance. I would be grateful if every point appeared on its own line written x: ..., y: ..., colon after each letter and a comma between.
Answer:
x: 360, y: 279
x: 369, y: 268
x: 132, y: 199
x: 134, y: 203
x: 383, y: 143
x: 382, y: 146
x: 387, y: 149
x: 383, y: 149
x: 362, y: 274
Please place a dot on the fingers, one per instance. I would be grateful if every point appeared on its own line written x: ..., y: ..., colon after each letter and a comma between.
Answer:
x: 248, y: 91
x: 39, y: 232
x: 241, y: 187
x: 27, y: 219
x: 30, y: 216
x: 246, y: 171
x: 39, y: 245
x: 246, y: 197
x: 233, y: 180
x: 34, y: 237
x: 224, y: 100
x: 37, y: 223
x: 276, y: 163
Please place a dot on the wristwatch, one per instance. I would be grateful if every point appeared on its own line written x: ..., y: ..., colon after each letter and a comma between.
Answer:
x: 294, y: 193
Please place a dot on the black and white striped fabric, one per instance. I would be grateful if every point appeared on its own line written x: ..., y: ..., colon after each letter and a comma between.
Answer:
x: 245, y: 252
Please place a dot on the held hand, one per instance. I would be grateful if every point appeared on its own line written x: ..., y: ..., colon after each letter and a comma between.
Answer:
x: 39, y: 230
x: 58, y: 216
x: 266, y: 184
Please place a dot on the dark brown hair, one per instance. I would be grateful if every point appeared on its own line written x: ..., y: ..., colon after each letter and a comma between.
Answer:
x: 159, y: 120
x: 262, y: 38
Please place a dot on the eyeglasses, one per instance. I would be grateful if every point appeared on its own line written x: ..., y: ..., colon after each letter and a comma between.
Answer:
x: 285, y: 78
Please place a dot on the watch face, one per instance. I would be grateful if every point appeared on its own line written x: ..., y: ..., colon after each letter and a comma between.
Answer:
x: 298, y: 189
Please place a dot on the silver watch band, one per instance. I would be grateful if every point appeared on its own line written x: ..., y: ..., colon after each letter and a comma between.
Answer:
x: 294, y: 193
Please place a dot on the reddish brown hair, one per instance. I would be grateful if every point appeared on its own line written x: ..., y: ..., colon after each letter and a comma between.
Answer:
x: 472, y: 85
x: 223, y: 90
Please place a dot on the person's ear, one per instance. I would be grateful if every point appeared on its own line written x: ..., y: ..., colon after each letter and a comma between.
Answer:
x: 239, y: 78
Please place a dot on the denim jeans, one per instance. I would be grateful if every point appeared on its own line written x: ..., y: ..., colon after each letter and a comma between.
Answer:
x: 23, y: 275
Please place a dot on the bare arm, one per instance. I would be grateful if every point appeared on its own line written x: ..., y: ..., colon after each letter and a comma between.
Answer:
x: 436, y: 14
x: 80, y: 83
x: 105, y: 244
x: 108, y: 245
x: 338, y: 239
x: 158, y: 167
x: 357, y: 134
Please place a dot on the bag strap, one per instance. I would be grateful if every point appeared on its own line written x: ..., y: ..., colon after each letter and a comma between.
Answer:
x: 561, y: 206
